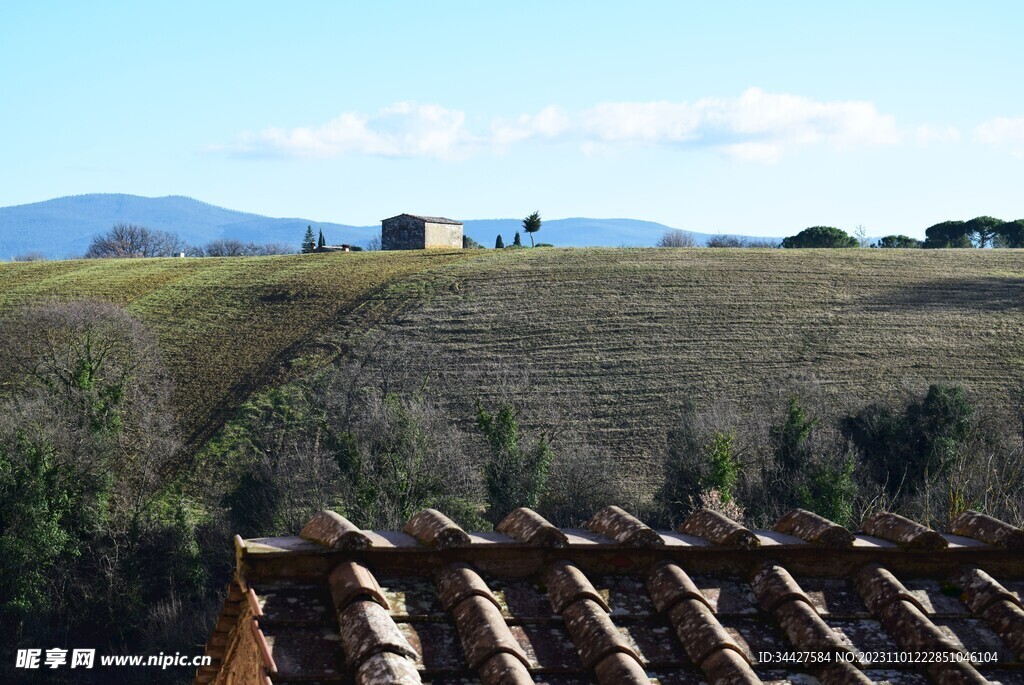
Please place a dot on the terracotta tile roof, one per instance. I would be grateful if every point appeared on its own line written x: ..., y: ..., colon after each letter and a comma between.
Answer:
x: 428, y: 219
x: 621, y: 603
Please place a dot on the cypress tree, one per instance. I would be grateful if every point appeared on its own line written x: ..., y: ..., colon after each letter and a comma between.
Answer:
x: 517, y: 242
x: 499, y: 243
x: 321, y: 242
x: 308, y: 244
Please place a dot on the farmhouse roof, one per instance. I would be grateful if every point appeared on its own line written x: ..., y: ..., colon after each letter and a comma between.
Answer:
x: 621, y: 603
x: 429, y: 219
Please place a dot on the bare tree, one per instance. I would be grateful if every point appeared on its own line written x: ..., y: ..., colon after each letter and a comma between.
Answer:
x: 94, y: 355
x: 132, y: 240
x: 33, y: 256
x: 861, y: 234
x: 227, y: 247
x: 270, y: 249
x: 763, y: 243
x: 726, y: 241
x: 676, y: 238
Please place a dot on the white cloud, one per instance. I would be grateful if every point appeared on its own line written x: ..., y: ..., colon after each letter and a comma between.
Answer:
x: 928, y: 134
x: 551, y: 122
x: 1003, y: 132
x: 756, y: 126
x: 403, y: 129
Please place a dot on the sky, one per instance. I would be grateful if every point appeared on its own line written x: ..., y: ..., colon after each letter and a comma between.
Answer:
x: 735, y: 117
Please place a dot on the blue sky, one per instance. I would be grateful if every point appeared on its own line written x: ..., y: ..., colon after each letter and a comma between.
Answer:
x: 746, y: 117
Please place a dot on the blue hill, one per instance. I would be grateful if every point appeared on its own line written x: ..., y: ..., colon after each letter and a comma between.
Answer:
x: 576, y: 232
x: 63, y: 227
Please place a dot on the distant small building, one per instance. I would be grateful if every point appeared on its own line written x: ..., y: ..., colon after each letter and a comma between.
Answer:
x: 411, y: 232
x: 333, y: 248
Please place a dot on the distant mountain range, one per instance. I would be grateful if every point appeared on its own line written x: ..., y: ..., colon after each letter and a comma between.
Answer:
x: 63, y: 227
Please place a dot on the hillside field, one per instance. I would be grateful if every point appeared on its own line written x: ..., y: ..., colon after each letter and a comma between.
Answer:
x: 226, y: 326
x: 615, y: 340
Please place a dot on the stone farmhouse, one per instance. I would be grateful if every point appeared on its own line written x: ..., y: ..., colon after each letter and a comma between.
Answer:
x: 618, y: 603
x: 412, y: 232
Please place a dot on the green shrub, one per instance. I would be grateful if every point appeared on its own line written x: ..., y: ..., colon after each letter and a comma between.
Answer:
x: 723, y: 472
x: 791, y: 439
x: 829, y: 490
x: 514, y: 475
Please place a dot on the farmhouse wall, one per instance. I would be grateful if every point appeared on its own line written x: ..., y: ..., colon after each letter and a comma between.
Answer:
x: 402, y: 233
x: 442, y: 235
x: 409, y: 232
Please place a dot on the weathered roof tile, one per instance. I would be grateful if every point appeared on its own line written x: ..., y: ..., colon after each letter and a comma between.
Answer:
x: 593, y: 632
x: 367, y: 629
x: 699, y: 631
x: 713, y: 526
x: 667, y: 584
x: 457, y: 582
x: 903, y: 531
x: 434, y: 529
x: 805, y: 629
x: 842, y: 673
x: 530, y: 527
x: 620, y: 668
x: 879, y: 587
x: 979, y: 526
x: 813, y: 528
x: 505, y: 669
x: 532, y: 603
x: 331, y: 529
x: 729, y: 667
x: 350, y: 581
x: 773, y: 586
x: 912, y: 630
x: 484, y: 632
x: 980, y: 589
x: 567, y: 584
x: 1007, y: 619
x: 615, y: 523
x: 387, y: 668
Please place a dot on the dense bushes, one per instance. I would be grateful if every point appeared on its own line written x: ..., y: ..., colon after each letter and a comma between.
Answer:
x: 897, y: 241
x: 981, y: 231
x: 93, y: 535
x: 901, y: 449
x: 930, y: 459
x: 820, y: 236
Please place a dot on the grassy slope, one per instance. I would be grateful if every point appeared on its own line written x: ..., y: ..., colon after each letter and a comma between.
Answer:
x: 618, y: 339
x: 226, y: 326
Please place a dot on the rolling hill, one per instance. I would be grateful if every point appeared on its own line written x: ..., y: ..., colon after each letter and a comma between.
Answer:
x: 616, y: 341
x: 63, y: 227
x: 227, y: 326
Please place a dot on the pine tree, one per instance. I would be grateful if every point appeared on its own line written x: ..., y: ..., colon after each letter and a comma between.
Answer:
x: 517, y: 242
x: 499, y: 243
x: 308, y: 243
x: 321, y: 242
x: 531, y: 225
